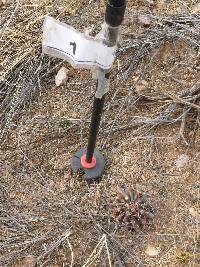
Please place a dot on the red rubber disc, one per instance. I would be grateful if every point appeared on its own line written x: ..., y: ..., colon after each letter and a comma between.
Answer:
x: 86, y: 164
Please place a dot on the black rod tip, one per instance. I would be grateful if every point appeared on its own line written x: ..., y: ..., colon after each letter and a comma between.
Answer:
x: 115, y: 12
x: 117, y: 3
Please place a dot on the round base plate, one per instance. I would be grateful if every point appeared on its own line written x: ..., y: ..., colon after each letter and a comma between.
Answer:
x: 89, y: 174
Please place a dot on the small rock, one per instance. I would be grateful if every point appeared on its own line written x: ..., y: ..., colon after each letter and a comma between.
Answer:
x: 182, y: 161
x: 144, y: 20
x: 150, y: 2
x: 141, y: 87
x: 61, y: 76
x: 196, y: 8
x: 152, y: 251
x: 28, y: 261
x: 194, y: 213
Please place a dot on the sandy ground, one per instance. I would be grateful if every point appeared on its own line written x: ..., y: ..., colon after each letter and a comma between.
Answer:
x: 42, y: 201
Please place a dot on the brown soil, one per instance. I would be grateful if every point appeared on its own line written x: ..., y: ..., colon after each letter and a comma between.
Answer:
x: 41, y: 199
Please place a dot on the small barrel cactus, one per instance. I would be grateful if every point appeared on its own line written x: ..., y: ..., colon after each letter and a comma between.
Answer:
x: 130, y: 209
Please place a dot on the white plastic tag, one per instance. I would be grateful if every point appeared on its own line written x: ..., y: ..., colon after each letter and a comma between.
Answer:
x: 81, y: 51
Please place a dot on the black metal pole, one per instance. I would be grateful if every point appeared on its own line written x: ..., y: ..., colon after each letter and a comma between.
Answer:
x: 113, y: 17
x: 90, y: 160
x: 94, y: 126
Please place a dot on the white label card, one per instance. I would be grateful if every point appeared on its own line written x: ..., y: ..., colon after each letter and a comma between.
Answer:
x: 81, y: 51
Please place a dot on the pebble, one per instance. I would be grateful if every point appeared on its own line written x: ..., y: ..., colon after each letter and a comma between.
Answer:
x: 61, y: 76
x: 196, y: 8
x: 194, y: 213
x: 28, y: 261
x: 150, y: 2
x: 152, y: 251
x: 141, y: 87
x: 144, y: 20
x: 182, y: 161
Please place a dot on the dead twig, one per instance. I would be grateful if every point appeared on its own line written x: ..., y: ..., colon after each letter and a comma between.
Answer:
x: 56, y: 244
x: 178, y: 99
